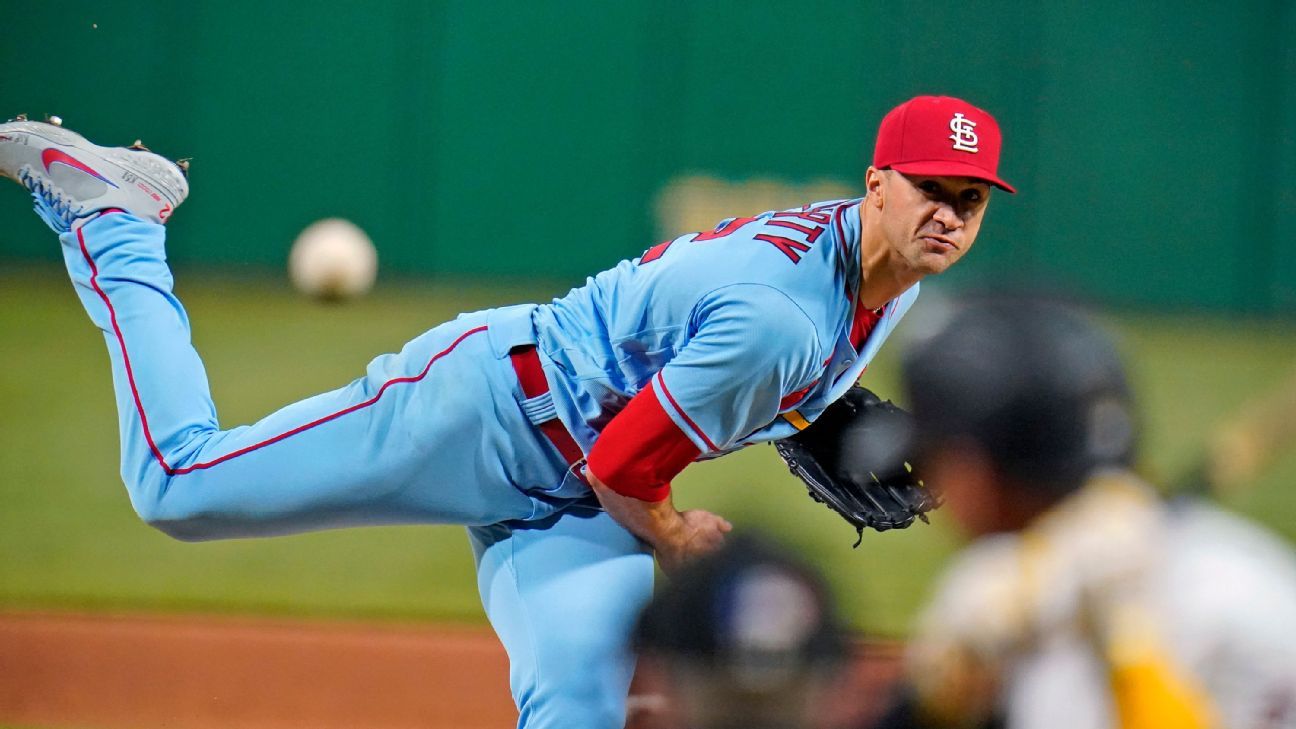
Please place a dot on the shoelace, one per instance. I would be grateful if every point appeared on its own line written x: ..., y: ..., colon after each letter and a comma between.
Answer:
x: 53, y: 205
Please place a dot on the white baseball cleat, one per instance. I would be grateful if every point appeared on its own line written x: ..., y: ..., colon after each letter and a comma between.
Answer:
x: 71, y: 178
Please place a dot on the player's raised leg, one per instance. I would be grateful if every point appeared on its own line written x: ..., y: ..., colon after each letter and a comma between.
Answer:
x: 562, y: 594
x: 410, y: 442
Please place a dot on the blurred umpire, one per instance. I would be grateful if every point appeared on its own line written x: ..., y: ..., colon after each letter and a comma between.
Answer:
x: 744, y: 638
x: 1084, y: 600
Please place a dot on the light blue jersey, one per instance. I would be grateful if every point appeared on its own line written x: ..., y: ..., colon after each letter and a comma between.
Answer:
x: 745, y: 328
x: 743, y: 331
x: 702, y: 345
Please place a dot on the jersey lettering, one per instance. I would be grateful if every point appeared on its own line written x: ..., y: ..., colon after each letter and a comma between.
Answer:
x: 818, y: 215
x: 729, y: 229
x: 811, y: 233
x: 811, y: 225
x: 794, y: 248
x: 655, y: 252
x: 788, y: 247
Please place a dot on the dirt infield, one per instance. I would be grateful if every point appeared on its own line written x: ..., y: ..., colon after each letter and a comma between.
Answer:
x: 132, y: 672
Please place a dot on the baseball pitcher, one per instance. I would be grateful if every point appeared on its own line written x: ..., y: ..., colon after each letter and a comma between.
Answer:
x: 551, y: 431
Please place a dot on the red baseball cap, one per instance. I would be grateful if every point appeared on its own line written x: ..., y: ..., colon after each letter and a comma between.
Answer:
x: 943, y: 136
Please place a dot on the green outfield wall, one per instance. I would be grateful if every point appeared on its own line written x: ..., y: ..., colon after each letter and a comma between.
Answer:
x: 1154, y: 143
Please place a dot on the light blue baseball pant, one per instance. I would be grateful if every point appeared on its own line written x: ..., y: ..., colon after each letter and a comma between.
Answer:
x: 431, y: 435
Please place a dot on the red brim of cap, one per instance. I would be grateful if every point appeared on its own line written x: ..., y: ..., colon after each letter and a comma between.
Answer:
x: 947, y: 168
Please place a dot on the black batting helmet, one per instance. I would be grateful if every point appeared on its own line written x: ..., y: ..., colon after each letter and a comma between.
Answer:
x: 752, y: 609
x: 1034, y: 382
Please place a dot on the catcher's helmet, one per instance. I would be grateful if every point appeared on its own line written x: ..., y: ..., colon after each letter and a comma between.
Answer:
x: 1032, y: 381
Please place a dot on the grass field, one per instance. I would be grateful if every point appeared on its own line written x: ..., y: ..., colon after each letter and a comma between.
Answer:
x: 68, y: 538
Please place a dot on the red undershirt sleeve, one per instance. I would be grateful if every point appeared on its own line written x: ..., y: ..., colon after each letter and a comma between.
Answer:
x: 641, y: 450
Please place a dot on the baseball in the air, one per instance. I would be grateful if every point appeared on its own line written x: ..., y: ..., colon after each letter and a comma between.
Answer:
x: 333, y: 259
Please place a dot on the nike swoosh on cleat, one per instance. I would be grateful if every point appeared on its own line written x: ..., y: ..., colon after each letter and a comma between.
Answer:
x: 59, y: 157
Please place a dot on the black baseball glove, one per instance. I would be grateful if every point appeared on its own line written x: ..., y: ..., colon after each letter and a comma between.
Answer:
x: 854, y: 458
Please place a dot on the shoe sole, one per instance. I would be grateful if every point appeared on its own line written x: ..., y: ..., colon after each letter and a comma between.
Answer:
x: 162, y: 174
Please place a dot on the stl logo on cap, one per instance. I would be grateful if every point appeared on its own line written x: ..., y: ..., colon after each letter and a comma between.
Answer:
x: 964, y: 136
x: 941, y: 136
